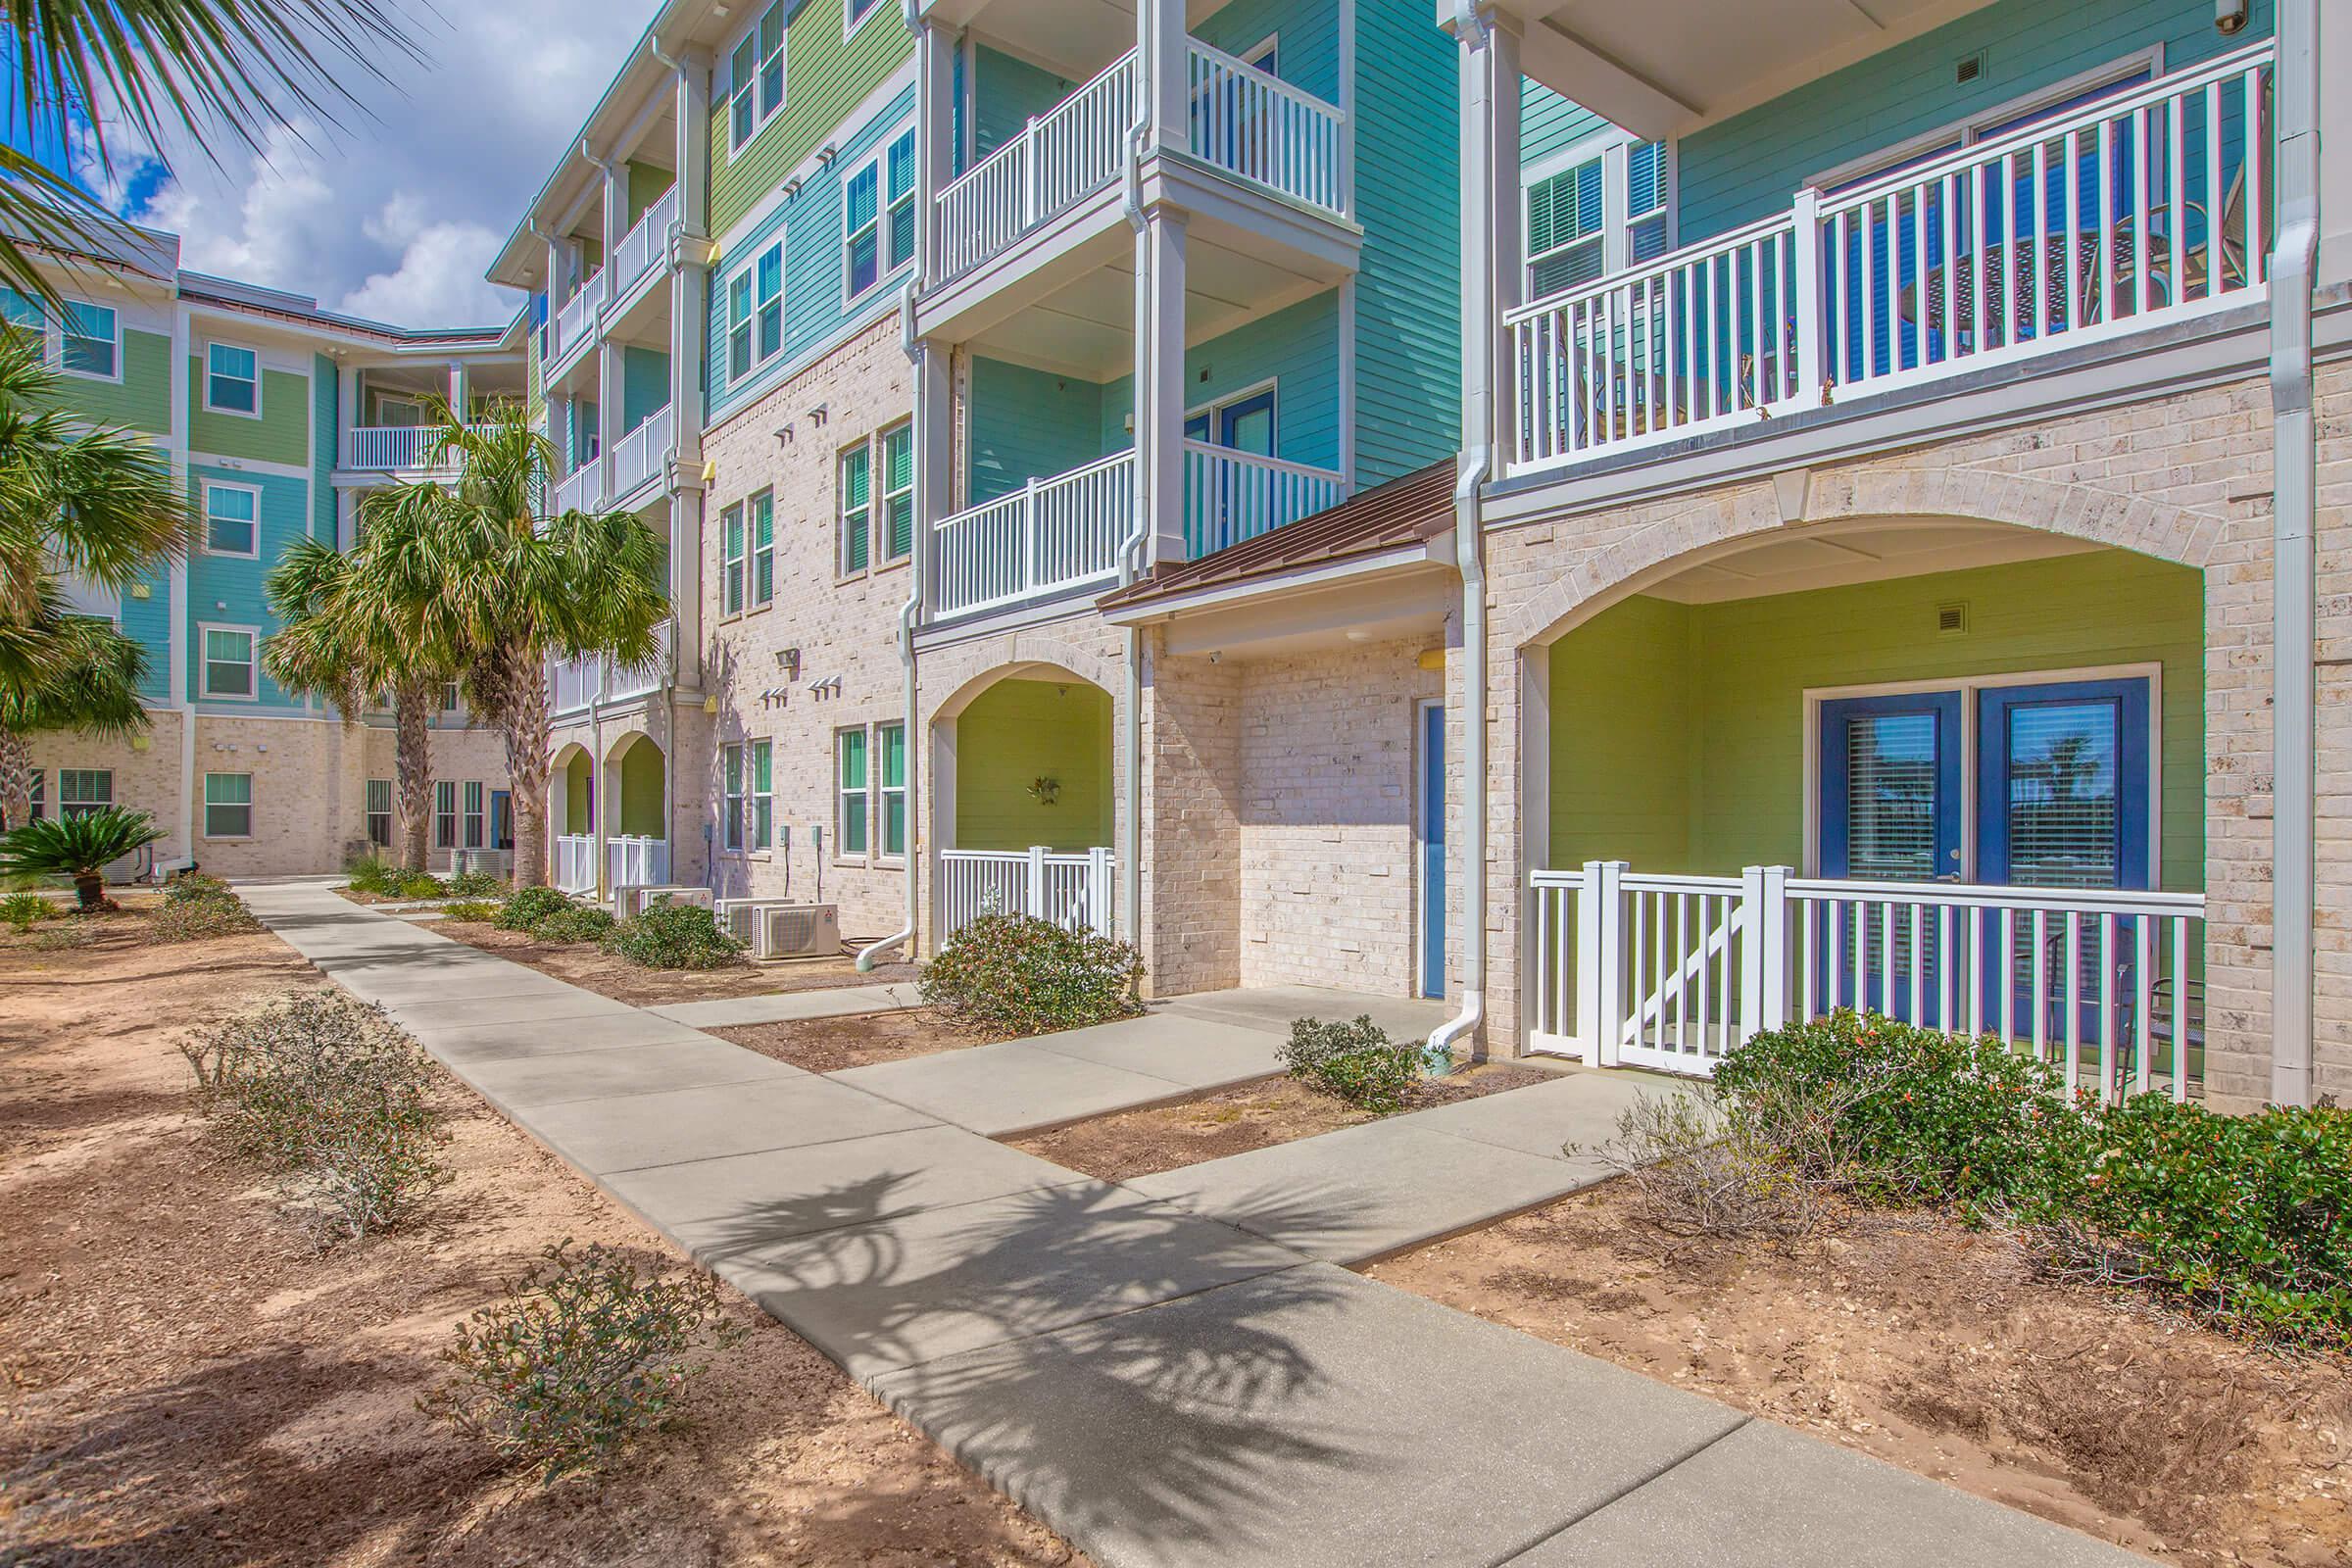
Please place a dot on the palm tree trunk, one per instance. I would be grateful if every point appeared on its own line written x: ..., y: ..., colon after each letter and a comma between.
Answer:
x: 16, y: 778
x: 527, y: 728
x: 412, y: 768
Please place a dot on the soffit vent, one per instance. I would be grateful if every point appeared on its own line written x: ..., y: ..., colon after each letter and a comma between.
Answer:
x: 1951, y: 621
x: 1969, y: 68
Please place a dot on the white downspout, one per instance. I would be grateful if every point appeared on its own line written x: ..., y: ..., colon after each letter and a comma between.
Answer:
x: 1470, y: 555
x: 1129, y: 849
x: 2294, y: 458
x: 908, y: 613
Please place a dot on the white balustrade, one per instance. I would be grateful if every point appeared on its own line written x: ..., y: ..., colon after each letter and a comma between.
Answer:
x: 622, y: 682
x: 582, y: 489
x: 1069, y: 889
x: 1231, y: 496
x: 643, y: 453
x: 636, y: 861
x: 1675, y: 971
x: 1049, y: 537
x: 575, y: 322
x: 646, y: 245
x: 2143, y: 206
x: 1060, y: 158
x: 1253, y: 123
x: 575, y: 862
x: 574, y: 683
x: 391, y: 446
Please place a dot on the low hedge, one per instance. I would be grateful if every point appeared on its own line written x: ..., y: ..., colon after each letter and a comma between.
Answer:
x: 1355, y: 1061
x: 525, y: 907
x: 673, y: 936
x: 1012, y: 974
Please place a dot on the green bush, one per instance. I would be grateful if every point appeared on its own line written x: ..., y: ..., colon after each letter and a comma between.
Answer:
x: 375, y: 876
x: 186, y: 887
x: 673, y: 936
x: 580, y: 1358
x: 527, y: 907
x: 476, y: 884
x: 580, y: 923
x: 26, y: 910
x: 192, y: 919
x: 1013, y: 975
x: 482, y: 909
x: 331, y: 1099
x: 422, y: 885
x: 1356, y: 1061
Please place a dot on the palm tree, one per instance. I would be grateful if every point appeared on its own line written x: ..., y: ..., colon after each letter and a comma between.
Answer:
x: 217, y: 67
x: 88, y: 681
x: 80, y: 846
x: 345, y: 635
x: 485, y: 577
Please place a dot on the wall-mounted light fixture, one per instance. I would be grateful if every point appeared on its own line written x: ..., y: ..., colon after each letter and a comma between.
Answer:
x: 2229, y: 15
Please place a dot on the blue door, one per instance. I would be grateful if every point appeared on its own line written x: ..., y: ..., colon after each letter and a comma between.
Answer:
x: 1433, y: 849
x: 1890, y: 811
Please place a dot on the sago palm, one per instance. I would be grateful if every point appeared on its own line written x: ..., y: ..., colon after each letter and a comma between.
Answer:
x: 507, y: 591
x: 348, y: 635
x: 80, y: 846
x: 88, y: 682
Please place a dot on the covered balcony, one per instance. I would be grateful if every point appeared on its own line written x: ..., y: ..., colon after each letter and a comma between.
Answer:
x: 395, y: 410
x: 576, y: 686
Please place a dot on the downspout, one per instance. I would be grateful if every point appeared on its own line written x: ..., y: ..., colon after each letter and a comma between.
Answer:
x: 652, y: 46
x: 908, y: 613
x: 1130, y: 848
x: 2294, y: 461
x: 1469, y: 555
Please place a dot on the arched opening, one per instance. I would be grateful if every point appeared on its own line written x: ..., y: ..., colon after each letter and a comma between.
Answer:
x: 571, y: 804
x: 635, y: 812
x: 1854, y: 766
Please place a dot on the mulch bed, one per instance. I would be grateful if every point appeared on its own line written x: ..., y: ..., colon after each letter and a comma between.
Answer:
x: 829, y: 1045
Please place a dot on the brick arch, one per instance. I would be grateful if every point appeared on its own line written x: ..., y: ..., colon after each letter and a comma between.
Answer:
x: 967, y: 672
x: 1752, y: 512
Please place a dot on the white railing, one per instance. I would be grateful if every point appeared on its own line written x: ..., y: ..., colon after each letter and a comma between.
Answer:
x: 622, y: 682
x: 582, y: 489
x: 1253, y: 123
x: 647, y: 243
x: 1060, y: 158
x: 575, y: 862
x: 636, y: 861
x: 1073, y: 890
x: 1231, y: 496
x: 578, y: 683
x: 642, y: 454
x: 388, y: 446
x: 1675, y: 971
x: 2144, y: 206
x: 1049, y: 537
x: 575, y: 322
x: 574, y: 683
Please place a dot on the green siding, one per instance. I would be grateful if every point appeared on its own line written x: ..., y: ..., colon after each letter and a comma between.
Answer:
x: 1016, y: 732
x: 640, y: 810
x: 227, y: 590
x: 1297, y: 348
x: 1714, y: 695
x: 1550, y: 123
x: 324, y: 391
x: 643, y: 384
x: 1026, y: 425
x: 282, y: 434
x: 647, y: 182
x: 141, y: 400
x: 1006, y: 94
x: 147, y: 621
x: 579, y: 776
x: 824, y: 78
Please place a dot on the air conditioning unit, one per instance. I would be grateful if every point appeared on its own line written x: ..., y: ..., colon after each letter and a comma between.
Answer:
x: 631, y: 899
x: 740, y: 917
x: 796, y: 931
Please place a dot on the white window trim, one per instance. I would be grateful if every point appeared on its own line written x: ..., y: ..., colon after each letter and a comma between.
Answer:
x: 1968, y: 686
x: 734, y: 797
x: 1610, y: 146
x: 204, y: 809
x: 751, y: 598
x: 877, y: 485
x: 742, y: 511
x: 749, y: 276
x: 210, y: 407
x: 474, y: 815
x: 843, y: 572
x: 1256, y: 53
x: 58, y: 338
x: 454, y: 816
x: 759, y: 120
x: 82, y: 806
x: 849, y: 24
x: 877, y: 793
x: 1223, y: 399
x: 203, y: 662
x: 879, y: 162
x: 206, y: 487
x: 843, y: 793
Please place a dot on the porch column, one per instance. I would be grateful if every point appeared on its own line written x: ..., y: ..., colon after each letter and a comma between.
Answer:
x: 1160, y: 52
x: 934, y: 134
x: 1159, y: 386
x: 608, y: 397
x: 457, y: 390
x: 615, y: 194
x: 2334, y: 29
x: 1492, y: 270
x: 934, y: 457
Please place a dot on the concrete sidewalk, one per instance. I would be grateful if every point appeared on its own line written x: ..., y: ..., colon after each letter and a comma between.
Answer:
x: 1172, y: 1371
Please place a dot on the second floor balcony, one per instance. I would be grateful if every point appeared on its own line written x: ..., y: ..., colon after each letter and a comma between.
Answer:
x: 577, y: 685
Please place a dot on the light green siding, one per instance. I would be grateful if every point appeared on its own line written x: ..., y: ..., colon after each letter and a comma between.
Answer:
x: 647, y: 182
x: 580, y: 779
x: 640, y: 810
x: 282, y: 434
x: 824, y: 78
x: 141, y: 400
x: 643, y: 384
x: 1686, y: 724
x: 1006, y: 94
x: 1017, y: 732
x: 1549, y: 123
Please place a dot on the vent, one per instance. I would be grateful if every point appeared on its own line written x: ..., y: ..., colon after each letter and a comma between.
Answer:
x: 798, y: 931
x: 1969, y: 68
x: 1951, y: 621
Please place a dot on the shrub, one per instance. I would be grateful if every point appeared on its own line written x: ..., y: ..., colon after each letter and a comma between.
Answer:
x: 478, y: 909
x: 527, y: 907
x: 64, y: 935
x: 80, y: 847
x: 1696, y: 1171
x: 1019, y: 975
x: 186, y: 887
x: 672, y: 936
x: 375, y: 876
x: 1356, y: 1061
x: 476, y: 884
x: 580, y: 923
x: 26, y: 910
x: 330, y: 1098
x: 422, y: 885
x: 192, y: 919
x: 580, y: 1358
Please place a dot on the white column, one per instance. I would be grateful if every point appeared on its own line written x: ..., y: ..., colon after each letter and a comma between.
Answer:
x: 2334, y: 29
x: 934, y: 457
x: 457, y: 391
x: 616, y: 229
x: 1491, y: 265
x: 934, y: 136
x: 1161, y: 40
x: 1159, y: 384
x: 608, y: 395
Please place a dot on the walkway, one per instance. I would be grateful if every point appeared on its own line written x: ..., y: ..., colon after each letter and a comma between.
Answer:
x: 1175, y: 1370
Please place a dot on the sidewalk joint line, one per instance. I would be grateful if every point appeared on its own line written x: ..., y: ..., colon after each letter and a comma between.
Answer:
x: 1622, y: 1492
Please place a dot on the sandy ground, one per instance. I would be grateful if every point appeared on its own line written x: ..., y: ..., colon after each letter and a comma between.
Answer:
x: 1940, y: 1350
x: 188, y: 1383
x: 1234, y: 1121
x: 829, y: 1045
x: 584, y: 964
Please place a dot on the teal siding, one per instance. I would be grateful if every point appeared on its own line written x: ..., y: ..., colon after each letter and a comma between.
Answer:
x: 1026, y: 425
x: 148, y: 622
x: 1298, y: 349
x: 326, y: 440
x: 1749, y: 166
x: 1549, y: 123
x: 1307, y: 40
x: 1006, y: 94
x: 228, y: 590
x: 643, y: 384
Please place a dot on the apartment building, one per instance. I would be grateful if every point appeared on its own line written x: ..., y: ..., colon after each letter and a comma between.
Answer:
x: 279, y: 414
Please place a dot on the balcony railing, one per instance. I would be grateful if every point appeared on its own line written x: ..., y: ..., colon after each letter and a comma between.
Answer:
x: 1049, y: 537
x: 389, y: 447
x: 576, y: 684
x: 646, y: 245
x: 641, y: 455
x: 1231, y: 496
x: 2140, y: 209
x: 582, y: 489
x: 624, y: 681
x: 1070, y: 890
x: 575, y: 322
x: 1253, y: 123
x: 637, y: 860
x: 575, y: 862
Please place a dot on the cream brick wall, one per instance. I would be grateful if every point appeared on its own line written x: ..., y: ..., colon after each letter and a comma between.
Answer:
x: 146, y: 776
x: 1193, y: 808
x: 309, y: 793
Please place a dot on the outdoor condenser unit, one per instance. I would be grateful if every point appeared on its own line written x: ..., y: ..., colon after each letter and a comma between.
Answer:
x: 796, y: 931
x: 630, y: 899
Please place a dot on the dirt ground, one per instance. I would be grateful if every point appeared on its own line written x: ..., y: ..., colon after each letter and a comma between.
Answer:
x: 188, y: 1383
x: 584, y: 964
x: 1942, y: 1350
x: 1236, y: 1120
x: 828, y: 1045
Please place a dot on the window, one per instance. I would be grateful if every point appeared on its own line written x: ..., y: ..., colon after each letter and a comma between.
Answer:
x: 851, y: 812
x: 452, y: 699
x: 232, y: 520
x: 878, y: 216
x: 39, y: 797
x: 890, y: 748
x: 770, y: 286
x: 856, y: 509
x: 1604, y: 211
x: 474, y: 813
x: 755, y: 314
x: 854, y: 11
x: 739, y: 326
x: 232, y: 379
x: 764, y: 794
x: 764, y: 548
x: 731, y: 558
x: 228, y: 806
x: 89, y: 340
x: 445, y: 817
x: 83, y: 791
x: 897, y: 540
x: 22, y: 312
x: 757, y: 77
x: 228, y: 662
x: 379, y: 812
x: 731, y: 795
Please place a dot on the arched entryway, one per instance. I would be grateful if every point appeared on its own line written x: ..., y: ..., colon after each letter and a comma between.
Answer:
x: 636, y: 811
x: 571, y: 807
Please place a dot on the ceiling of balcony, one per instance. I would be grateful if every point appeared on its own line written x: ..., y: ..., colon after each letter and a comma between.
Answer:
x: 1797, y: 558
x: 1661, y: 66
x: 1072, y: 39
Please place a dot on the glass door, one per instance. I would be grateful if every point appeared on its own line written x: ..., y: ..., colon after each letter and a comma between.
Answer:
x: 1891, y: 803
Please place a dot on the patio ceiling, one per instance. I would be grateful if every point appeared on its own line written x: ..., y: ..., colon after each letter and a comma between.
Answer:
x: 1793, y: 560
x: 1663, y: 67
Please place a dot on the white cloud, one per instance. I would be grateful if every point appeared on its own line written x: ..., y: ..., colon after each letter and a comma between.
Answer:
x: 395, y: 213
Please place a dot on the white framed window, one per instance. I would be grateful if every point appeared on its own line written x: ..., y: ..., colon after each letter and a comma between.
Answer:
x: 730, y: 795
x: 877, y: 217
x: 83, y: 791
x: 1598, y: 208
x: 474, y: 820
x: 890, y: 788
x: 764, y: 794
x: 854, y: 11
x: 38, y: 798
x: 739, y: 326
x: 731, y: 560
x: 232, y: 519
x: 761, y: 524
x: 445, y: 814
x: 229, y: 662
x: 852, y: 803
x: 893, y: 460
x: 22, y: 312
x: 90, y: 341
x: 228, y: 806
x: 232, y: 380
x: 756, y: 312
x: 379, y: 812
x: 749, y: 793
x: 453, y: 697
x: 856, y: 530
x: 755, y: 78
